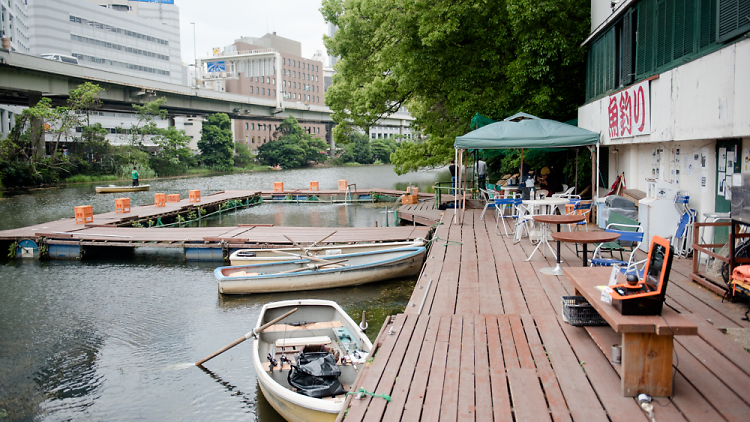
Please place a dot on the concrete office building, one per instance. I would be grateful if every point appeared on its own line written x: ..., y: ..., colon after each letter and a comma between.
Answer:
x: 268, y: 68
x: 668, y: 89
x: 138, y: 38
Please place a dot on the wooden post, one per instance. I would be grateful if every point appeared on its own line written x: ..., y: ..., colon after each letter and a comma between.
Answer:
x: 647, y: 364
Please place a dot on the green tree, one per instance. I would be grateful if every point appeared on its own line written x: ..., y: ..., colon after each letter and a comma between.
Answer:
x: 293, y: 147
x: 382, y: 149
x: 216, y: 144
x: 242, y: 155
x: 173, y: 155
x: 449, y: 59
x: 360, y: 147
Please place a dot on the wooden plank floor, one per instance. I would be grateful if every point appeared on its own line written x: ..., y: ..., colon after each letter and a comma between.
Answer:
x: 482, y: 339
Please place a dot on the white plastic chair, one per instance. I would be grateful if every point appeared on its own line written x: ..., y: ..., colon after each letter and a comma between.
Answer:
x: 568, y: 191
x: 488, y: 196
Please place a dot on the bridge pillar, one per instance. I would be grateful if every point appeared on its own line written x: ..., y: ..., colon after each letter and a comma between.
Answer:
x: 330, y: 140
x: 4, y: 123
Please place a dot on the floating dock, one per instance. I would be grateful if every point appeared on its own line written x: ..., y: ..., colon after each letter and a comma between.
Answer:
x: 482, y: 339
x: 111, y: 234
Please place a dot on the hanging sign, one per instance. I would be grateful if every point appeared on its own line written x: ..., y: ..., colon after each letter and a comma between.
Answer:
x: 629, y: 112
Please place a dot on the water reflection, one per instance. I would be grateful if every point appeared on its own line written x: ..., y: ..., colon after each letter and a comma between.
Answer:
x: 116, y: 339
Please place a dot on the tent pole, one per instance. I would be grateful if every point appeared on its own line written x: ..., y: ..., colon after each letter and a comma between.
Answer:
x: 520, y: 170
x: 463, y: 195
x: 596, y: 178
x: 456, y: 178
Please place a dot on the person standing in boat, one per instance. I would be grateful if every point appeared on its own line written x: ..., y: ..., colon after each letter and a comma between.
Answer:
x: 452, y: 169
x: 135, y: 176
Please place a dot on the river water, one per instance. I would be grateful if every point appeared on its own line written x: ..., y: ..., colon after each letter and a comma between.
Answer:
x: 116, y: 339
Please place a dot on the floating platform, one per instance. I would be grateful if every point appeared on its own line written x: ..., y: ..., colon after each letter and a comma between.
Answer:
x: 113, y: 234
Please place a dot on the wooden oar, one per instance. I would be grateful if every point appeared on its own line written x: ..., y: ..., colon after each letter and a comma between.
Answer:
x: 307, y: 252
x: 312, y: 258
x: 316, y: 266
x: 318, y: 241
x: 245, y: 337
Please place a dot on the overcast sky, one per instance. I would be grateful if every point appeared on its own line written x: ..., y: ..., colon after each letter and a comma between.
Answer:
x: 219, y: 22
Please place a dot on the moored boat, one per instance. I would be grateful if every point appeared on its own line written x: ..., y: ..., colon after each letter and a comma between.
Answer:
x: 116, y: 189
x: 319, y: 333
x: 264, y: 256
x: 308, y: 273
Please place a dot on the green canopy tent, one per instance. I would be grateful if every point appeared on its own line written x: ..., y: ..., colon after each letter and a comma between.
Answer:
x: 523, y: 130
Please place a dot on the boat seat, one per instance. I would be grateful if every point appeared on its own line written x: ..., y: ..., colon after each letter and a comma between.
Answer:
x: 310, y: 326
x: 303, y: 341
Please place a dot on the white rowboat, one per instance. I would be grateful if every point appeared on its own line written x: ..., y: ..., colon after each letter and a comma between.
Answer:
x: 316, y: 323
x: 265, y: 256
x: 116, y: 189
x: 306, y: 274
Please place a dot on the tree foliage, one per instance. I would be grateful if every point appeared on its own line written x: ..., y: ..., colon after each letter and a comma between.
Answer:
x: 216, y: 144
x: 449, y: 59
x: 293, y: 147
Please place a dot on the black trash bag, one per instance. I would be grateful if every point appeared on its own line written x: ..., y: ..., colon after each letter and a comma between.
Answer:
x: 316, y: 375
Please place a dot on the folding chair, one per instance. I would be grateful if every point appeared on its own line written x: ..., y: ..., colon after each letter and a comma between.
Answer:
x: 567, y: 191
x: 501, y: 206
x: 628, y: 233
x: 585, y: 208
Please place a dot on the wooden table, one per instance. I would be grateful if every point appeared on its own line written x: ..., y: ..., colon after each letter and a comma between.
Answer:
x: 647, y: 341
x: 556, y: 219
x: 585, y: 238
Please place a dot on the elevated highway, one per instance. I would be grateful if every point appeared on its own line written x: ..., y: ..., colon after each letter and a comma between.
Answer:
x: 24, y: 79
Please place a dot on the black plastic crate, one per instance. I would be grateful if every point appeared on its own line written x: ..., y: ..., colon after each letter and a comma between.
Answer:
x: 579, y: 312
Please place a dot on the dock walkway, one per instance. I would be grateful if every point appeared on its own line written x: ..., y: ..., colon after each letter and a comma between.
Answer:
x: 67, y: 240
x: 482, y: 338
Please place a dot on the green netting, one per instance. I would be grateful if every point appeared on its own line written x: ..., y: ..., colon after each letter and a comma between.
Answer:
x: 478, y: 121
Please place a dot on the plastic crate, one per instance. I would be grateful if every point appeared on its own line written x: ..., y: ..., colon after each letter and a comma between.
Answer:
x: 578, y: 311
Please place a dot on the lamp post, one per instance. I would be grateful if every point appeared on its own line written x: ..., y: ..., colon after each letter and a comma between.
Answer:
x: 195, y: 56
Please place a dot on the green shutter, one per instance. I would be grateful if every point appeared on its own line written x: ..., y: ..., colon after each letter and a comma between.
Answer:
x: 684, y: 24
x: 707, y: 24
x: 609, y: 58
x: 644, y: 50
x: 733, y: 19
x: 627, y: 46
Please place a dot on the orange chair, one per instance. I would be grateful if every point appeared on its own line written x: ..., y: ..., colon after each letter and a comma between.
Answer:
x: 175, y: 197
x: 343, y: 184
x: 195, y: 195
x: 412, y: 190
x: 84, y: 214
x: 160, y: 200
x: 122, y: 205
x: 278, y: 186
x: 314, y: 186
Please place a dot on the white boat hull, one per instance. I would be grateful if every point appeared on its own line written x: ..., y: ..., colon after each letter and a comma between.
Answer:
x: 268, y: 278
x: 267, y: 256
x: 116, y: 189
x: 292, y: 406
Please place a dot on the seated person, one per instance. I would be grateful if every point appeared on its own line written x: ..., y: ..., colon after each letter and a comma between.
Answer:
x: 549, y: 182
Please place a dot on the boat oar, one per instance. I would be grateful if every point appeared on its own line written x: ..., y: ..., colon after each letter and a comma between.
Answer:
x: 314, y: 267
x: 307, y: 252
x: 312, y: 258
x: 245, y: 337
x: 318, y: 241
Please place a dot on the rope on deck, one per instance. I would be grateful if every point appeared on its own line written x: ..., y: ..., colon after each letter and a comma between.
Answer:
x: 359, y: 393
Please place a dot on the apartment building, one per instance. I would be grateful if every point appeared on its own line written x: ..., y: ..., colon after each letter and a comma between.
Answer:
x: 269, y: 68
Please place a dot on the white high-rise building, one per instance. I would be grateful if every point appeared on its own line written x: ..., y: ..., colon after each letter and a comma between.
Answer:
x: 138, y: 38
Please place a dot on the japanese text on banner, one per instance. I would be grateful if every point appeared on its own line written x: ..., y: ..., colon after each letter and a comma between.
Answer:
x: 629, y: 112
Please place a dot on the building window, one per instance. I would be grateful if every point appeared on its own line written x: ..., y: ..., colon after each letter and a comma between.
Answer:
x: 252, y: 125
x: 273, y: 81
x: 246, y: 126
x: 263, y: 91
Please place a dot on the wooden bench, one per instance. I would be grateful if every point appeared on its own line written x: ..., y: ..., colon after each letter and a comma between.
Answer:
x: 647, y: 341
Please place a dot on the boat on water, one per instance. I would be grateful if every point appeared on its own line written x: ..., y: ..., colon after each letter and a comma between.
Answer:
x: 307, y: 362
x: 116, y: 189
x: 309, y: 273
x: 265, y: 256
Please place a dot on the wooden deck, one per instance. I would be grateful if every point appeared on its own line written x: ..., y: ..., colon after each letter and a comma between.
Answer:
x: 490, y: 344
